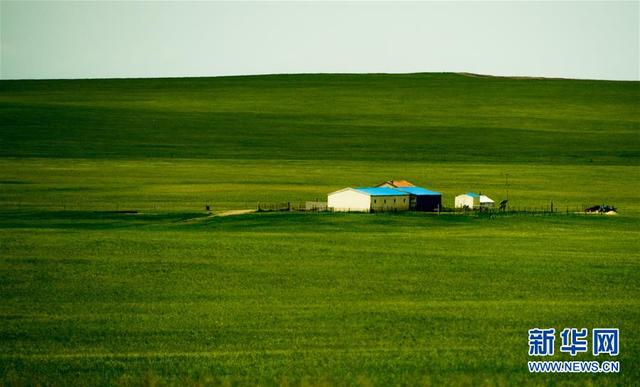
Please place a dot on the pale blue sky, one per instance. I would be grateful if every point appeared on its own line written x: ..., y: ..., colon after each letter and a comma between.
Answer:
x: 597, y: 40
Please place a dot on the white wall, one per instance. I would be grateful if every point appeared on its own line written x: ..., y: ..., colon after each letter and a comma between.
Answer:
x: 466, y: 200
x: 348, y: 200
x: 390, y: 203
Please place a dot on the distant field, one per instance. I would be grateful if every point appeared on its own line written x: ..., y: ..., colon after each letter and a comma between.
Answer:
x: 173, y: 296
x: 417, y: 117
x: 188, y: 185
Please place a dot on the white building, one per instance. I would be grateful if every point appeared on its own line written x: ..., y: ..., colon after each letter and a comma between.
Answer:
x: 470, y: 200
x: 473, y: 200
x: 368, y: 200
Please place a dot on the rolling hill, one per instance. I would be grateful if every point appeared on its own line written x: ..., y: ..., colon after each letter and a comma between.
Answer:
x: 92, y: 293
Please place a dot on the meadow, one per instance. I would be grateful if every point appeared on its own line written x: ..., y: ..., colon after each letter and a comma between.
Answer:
x: 172, y: 295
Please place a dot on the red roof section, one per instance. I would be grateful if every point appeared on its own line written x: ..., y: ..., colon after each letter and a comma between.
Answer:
x: 398, y: 183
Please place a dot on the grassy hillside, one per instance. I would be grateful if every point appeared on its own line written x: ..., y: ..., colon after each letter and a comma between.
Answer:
x: 418, y: 117
x: 173, y: 296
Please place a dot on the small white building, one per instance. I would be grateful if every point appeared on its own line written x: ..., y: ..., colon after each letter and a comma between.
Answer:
x: 368, y: 200
x: 473, y: 200
x: 470, y: 200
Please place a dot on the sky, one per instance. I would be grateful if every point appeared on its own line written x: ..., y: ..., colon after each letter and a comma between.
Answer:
x: 84, y: 39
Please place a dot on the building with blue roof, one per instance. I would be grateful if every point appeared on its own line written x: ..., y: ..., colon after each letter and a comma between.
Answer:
x: 421, y: 199
x: 380, y: 191
x: 392, y: 195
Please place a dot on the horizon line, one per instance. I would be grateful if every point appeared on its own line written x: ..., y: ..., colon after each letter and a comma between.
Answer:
x: 461, y: 73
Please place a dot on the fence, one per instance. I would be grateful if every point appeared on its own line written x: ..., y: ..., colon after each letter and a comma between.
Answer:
x: 291, y: 206
x: 522, y: 211
x: 301, y: 206
x: 550, y: 209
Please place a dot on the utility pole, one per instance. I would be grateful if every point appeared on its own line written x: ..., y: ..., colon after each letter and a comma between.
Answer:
x: 506, y: 183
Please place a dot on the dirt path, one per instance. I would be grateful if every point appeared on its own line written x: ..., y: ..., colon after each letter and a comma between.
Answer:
x: 234, y: 212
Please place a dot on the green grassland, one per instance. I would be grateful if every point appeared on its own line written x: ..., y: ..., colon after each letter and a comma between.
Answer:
x: 172, y: 295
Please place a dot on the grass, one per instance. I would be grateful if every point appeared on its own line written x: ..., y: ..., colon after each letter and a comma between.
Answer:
x: 90, y: 296
x: 187, y: 185
x: 258, y: 298
x: 415, y: 117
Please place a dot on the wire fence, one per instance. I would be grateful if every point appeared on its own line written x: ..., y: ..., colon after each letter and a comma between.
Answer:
x: 292, y: 206
x: 542, y: 210
x: 297, y: 206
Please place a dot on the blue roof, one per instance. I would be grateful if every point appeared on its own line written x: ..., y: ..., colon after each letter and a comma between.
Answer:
x: 381, y: 191
x: 472, y: 194
x: 418, y: 191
